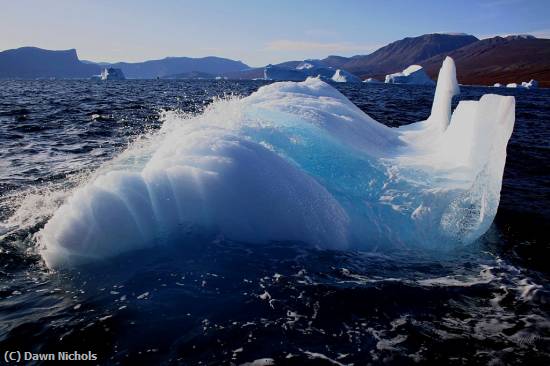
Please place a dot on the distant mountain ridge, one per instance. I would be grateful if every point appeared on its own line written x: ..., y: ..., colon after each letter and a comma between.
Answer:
x: 510, y: 59
x: 179, y: 65
x: 33, y: 62
x: 391, y: 58
x: 479, y: 62
x: 190, y: 75
x: 398, y: 55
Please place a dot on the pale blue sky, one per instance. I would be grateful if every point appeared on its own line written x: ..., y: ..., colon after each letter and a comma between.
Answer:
x: 256, y: 32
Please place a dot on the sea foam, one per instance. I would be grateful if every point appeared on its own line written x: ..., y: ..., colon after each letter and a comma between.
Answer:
x: 296, y: 161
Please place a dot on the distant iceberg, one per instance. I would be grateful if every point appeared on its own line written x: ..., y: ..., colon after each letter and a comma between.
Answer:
x: 372, y: 81
x: 272, y: 72
x: 300, y: 162
x: 312, y: 65
x: 519, y: 36
x: 342, y: 76
x: 110, y: 73
x: 308, y: 68
x: 413, y: 74
x: 532, y: 84
x: 498, y: 85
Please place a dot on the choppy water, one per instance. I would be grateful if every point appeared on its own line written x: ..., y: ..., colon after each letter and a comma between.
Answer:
x: 224, y: 302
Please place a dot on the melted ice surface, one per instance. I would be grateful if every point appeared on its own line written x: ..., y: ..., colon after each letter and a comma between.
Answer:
x: 296, y: 161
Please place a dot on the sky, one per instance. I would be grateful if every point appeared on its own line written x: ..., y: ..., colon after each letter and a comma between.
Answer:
x: 256, y: 32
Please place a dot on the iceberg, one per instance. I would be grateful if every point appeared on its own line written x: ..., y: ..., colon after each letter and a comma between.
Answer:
x: 308, y: 68
x: 497, y: 85
x: 295, y: 161
x: 272, y: 72
x: 110, y: 73
x: 342, y: 76
x: 372, y: 81
x: 532, y: 84
x: 311, y: 65
x: 413, y: 74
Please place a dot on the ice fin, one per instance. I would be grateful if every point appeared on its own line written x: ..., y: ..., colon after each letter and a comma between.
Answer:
x: 447, y: 87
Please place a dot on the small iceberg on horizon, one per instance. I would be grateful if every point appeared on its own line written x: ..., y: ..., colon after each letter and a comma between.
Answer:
x: 306, y: 69
x: 413, y: 74
x: 531, y: 84
x: 372, y: 81
x: 110, y: 73
x: 299, y: 162
x: 342, y: 76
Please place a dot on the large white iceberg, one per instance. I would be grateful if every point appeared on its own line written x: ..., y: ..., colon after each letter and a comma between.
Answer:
x: 296, y: 161
x: 413, y: 74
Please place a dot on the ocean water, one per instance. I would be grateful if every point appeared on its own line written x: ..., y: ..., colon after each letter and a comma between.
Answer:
x: 224, y: 302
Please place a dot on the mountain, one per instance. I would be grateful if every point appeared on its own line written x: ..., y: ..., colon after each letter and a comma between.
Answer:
x: 32, y: 62
x: 300, y: 71
x: 336, y: 61
x: 510, y: 59
x: 398, y: 55
x: 179, y: 65
x: 389, y: 59
x: 258, y: 72
x: 190, y: 75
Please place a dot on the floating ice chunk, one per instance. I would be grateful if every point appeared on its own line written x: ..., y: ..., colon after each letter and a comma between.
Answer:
x: 110, y: 73
x: 296, y: 161
x: 372, y: 81
x: 498, y: 85
x: 532, y: 84
x: 272, y: 72
x: 413, y: 74
x: 308, y: 68
x: 260, y: 362
x: 342, y: 76
x: 310, y: 64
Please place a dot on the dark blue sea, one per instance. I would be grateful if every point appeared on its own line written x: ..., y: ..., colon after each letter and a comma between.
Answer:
x: 222, y: 302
